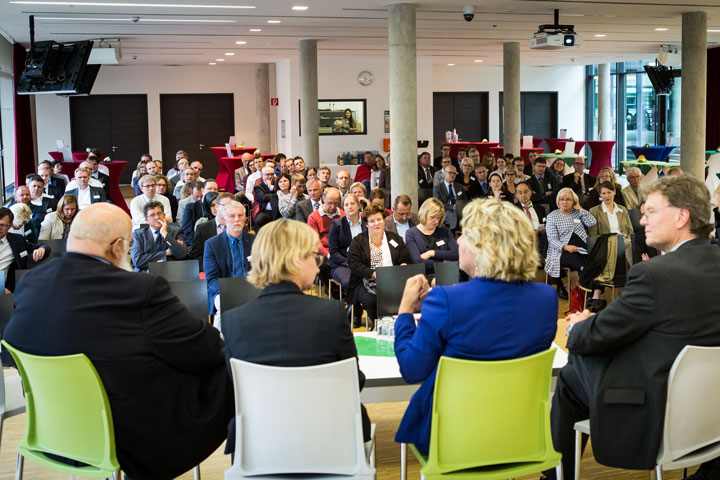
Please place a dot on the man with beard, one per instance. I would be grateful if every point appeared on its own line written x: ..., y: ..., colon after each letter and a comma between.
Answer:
x: 163, y: 369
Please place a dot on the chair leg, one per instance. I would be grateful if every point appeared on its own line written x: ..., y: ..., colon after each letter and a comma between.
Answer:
x: 578, y: 453
x: 559, y: 471
x: 683, y: 473
x: 658, y: 472
x: 196, y: 472
x: 19, y: 467
x: 403, y: 461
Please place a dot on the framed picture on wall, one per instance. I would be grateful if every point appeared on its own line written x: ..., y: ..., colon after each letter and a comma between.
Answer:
x: 342, y: 117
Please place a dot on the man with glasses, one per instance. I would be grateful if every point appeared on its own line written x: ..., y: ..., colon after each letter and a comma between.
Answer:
x: 228, y: 254
x: 85, y: 193
x: 321, y: 221
x: 148, y: 186
x: 206, y: 231
x: 449, y: 192
x: 188, y: 175
x: 579, y: 181
x: 266, y: 196
x: 158, y: 242
x: 632, y: 194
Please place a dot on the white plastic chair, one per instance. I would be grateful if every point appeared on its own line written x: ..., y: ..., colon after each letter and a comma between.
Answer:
x: 299, y: 420
x: 691, y: 433
x: 712, y: 181
x: 12, y: 401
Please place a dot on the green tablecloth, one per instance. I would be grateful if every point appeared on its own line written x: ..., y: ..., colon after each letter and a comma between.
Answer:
x: 645, y: 167
x: 372, y: 347
x: 569, y: 159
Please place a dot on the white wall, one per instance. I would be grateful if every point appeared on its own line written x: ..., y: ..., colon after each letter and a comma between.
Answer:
x: 7, y: 117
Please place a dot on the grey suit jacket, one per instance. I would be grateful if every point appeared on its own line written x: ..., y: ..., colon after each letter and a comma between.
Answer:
x: 453, y: 213
x: 303, y: 210
x: 143, y: 251
x: 390, y: 223
x: 624, y: 353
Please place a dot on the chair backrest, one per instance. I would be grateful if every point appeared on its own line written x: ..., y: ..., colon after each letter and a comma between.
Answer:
x: 235, y: 292
x: 68, y: 413
x: 692, y: 407
x: 634, y: 214
x: 480, y: 406
x: 176, y: 270
x: 193, y: 294
x: 390, y: 285
x: 6, y: 309
x: 298, y: 420
x: 19, y: 274
x: 57, y: 249
x: 446, y: 273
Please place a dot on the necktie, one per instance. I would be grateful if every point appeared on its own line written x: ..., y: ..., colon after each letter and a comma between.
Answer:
x: 427, y: 175
x: 159, y: 242
x: 527, y: 212
x: 238, y: 266
x: 541, y: 186
x: 316, y: 205
x: 452, y: 195
x: 484, y: 187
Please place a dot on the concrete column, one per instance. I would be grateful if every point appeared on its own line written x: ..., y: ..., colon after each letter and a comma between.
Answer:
x: 604, y: 123
x: 694, y: 84
x: 511, y: 98
x: 403, y: 101
x: 262, y: 105
x: 309, y: 120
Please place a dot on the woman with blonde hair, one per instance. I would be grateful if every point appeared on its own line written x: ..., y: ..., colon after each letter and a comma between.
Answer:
x: 604, y: 175
x: 283, y: 327
x: 22, y: 222
x: 57, y: 224
x: 429, y: 242
x: 476, y: 320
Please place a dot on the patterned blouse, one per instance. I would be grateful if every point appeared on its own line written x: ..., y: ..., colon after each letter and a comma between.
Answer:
x: 559, y: 228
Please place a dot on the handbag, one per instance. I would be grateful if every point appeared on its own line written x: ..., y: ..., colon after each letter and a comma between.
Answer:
x: 577, y: 300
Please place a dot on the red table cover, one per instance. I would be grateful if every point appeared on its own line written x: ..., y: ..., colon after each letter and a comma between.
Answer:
x: 601, y: 155
x: 226, y: 172
x: 482, y: 147
x: 524, y: 152
x: 237, y: 152
x: 559, y: 144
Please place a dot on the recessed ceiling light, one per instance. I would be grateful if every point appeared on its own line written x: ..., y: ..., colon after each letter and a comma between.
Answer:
x: 183, y: 20
x: 133, y: 5
x: 713, y: 31
x: 661, y: 29
x: 478, y: 61
x: 219, y: 59
x: 86, y: 19
x: 256, y: 29
x: 229, y: 54
x: 274, y: 21
x: 600, y: 35
x: 451, y: 64
x: 241, y: 42
x: 212, y: 63
x: 300, y: 8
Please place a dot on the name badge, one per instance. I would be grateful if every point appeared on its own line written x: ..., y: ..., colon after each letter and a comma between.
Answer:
x: 23, y: 254
x: 393, y: 243
x: 249, y: 258
x: 49, y: 210
x: 576, y: 220
x: 47, y: 195
x: 27, y: 232
x: 96, y: 196
x: 440, y: 243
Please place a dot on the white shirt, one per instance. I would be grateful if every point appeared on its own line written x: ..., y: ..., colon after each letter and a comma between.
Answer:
x: 37, y: 201
x: 94, y: 182
x: 83, y: 199
x: 387, y: 256
x: 323, y: 213
x: 250, y: 185
x: 6, y: 255
x: 533, y: 215
x: 137, y: 204
x: 612, y: 218
x: 103, y: 169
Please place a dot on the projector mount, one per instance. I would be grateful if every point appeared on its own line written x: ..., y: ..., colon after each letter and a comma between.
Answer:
x: 556, y: 27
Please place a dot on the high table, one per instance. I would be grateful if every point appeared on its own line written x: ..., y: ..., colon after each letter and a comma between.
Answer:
x: 524, y: 152
x: 77, y: 156
x: 383, y: 382
x: 220, y: 152
x: 709, y: 153
x: 115, y: 167
x: 601, y: 155
x: 226, y: 172
x: 481, y: 146
x: 645, y: 167
x: 657, y: 153
x: 569, y: 159
x: 559, y: 144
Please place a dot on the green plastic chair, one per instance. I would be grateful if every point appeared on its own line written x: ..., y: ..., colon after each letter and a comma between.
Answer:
x: 490, y: 420
x: 68, y: 414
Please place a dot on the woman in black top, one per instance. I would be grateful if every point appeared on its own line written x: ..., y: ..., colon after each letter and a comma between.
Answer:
x: 496, y: 188
x: 428, y: 242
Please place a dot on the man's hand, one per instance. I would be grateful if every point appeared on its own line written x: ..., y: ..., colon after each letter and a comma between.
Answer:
x: 571, y: 248
x: 168, y: 252
x: 416, y: 289
x: 577, y: 176
x: 38, y: 254
x: 574, y: 318
x: 163, y: 227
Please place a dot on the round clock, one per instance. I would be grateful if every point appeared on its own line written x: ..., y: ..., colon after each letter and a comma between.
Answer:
x: 365, y: 78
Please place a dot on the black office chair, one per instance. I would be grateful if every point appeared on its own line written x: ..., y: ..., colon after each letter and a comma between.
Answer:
x: 390, y: 284
x: 447, y: 273
x: 176, y: 270
x: 235, y: 292
x: 6, y: 309
x: 57, y: 249
x: 19, y: 274
x: 193, y: 294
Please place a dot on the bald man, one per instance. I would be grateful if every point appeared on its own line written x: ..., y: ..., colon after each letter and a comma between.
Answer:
x: 163, y: 369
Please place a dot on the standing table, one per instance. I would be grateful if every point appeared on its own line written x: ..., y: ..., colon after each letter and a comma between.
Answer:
x: 524, y: 152
x: 601, y: 155
x: 226, y: 172
x: 657, y: 153
x: 220, y: 152
x: 481, y: 146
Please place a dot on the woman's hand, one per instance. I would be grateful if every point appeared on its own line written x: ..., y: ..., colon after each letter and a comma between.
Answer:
x: 416, y: 289
x: 644, y: 257
x: 427, y: 255
x: 571, y: 248
x: 577, y: 207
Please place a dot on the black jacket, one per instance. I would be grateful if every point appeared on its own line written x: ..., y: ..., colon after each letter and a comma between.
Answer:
x: 549, y: 184
x: 359, y: 256
x: 22, y: 253
x: 204, y: 232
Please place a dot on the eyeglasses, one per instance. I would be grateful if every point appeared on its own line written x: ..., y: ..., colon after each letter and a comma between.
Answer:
x: 149, y: 185
x: 156, y: 215
x: 5, y: 225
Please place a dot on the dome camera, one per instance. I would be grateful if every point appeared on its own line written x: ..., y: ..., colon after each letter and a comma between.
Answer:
x: 468, y: 13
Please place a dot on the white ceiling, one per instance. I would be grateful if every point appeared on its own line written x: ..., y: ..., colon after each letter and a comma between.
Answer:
x: 357, y: 27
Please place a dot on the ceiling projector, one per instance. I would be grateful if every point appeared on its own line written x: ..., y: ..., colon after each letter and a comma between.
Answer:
x: 555, y: 36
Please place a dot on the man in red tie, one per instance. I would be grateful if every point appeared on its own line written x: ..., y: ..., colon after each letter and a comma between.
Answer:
x: 535, y: 213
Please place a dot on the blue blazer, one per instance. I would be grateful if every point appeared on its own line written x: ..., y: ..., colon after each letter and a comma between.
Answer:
x: 339, y: 239
x: 217, y: 262
x: 416, y: 246
x: 481, y: 319
x: 143, y: 251
x: 192, y: 213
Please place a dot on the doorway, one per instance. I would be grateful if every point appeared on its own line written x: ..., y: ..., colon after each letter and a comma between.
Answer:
x: 467, y: 112
x: 538, y: 114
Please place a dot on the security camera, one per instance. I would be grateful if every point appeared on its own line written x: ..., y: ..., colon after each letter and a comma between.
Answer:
x: 135, y: 19
x: 468, y: 13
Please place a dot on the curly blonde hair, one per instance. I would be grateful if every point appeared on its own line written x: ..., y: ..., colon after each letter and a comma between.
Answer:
x: 502, y: 239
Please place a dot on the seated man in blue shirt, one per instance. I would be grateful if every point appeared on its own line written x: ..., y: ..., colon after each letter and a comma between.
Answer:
x: 402, y: 219
x: 227, y: 255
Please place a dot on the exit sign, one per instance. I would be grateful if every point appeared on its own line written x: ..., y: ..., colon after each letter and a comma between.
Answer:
x: 274, y: 102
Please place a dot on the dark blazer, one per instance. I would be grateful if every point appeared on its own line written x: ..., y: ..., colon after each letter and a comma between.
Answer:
x: 97, y: 194
x: 384, y: 183
x: 446, y: 248
x: 478, y: 190
x: 193, y: 211
x: 359, y: 256
x: 22, y: 253
x: 624, y: 353
x: 173, y: 205
x: 422, y: 181
x: 550, y: 184
x: 303, y: 210
x: 285, y: 328
x: 594, y: 198
x: 263, y: 196
x: 568, y: 181
x: 539, y: 211
x: 217, y: 262
x: 485, y: 306
x: 143, y: 251
x: 452, y: 211
x: 160, y: 365
x: 339, y: 239
x: 105, y: 180
x: 58, y: 183
x: 54, y: 192
x: 204, y: 232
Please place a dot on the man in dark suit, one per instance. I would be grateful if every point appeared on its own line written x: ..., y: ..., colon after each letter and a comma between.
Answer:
x: 543, y: 185
x: 15, y: 250
x: 620, y: 358
x: 206, y: 231
x: 86, y: 195
x: 227, y: 255
x: 450, y: 193
x: 92, y: 162
x: 426, y: 172
x: 535, y: 213
x: 53, y: 188
x: 162, y: 368
x: 579, y: 181
x: 304, y: 208
x: 266, y: 196
x: 40, y: 204
x: 194, y: 210
x: 402, y: 218
x: 444, y: 153
x: 158, y: 242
